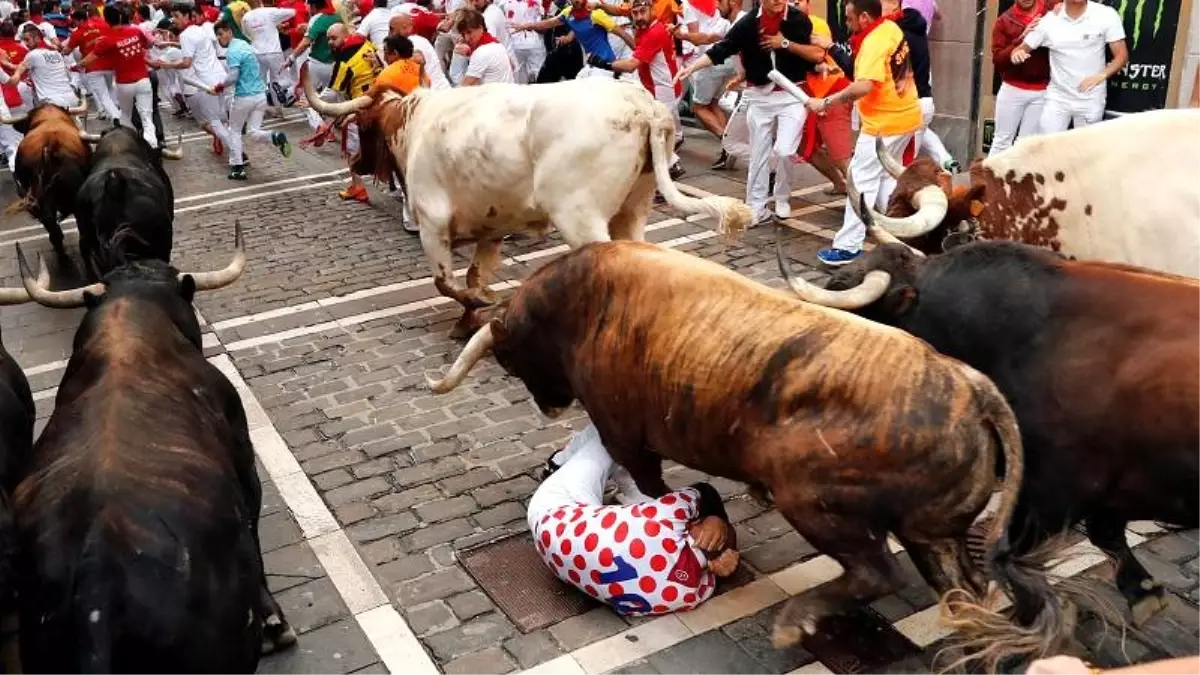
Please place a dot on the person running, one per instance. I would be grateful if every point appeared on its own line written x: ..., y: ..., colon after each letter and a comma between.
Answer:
x: 374, y: 26
x: 705, y: 22
x: 98, y: 75
x: 126, y: 46
x: 354, y: 70
x: 889, y: 110
x: 403, y: 25
x: 262, y: 25
x: 1022, y: 87
x: 249, y: 100
x: 200, y: 65
x: 316, y: 50
x: 167, y: 51
x: 479, y: 58
x: 527, y: 47
x: 13, y: 100
x: 916, y: 32
x: 46, y: 68
x: 642, y: 556
x: 1076, y: 34
x: 590, y: 28
x: 827, y: 142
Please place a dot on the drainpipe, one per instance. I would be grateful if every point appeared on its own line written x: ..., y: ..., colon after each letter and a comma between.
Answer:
x: 977, y: 84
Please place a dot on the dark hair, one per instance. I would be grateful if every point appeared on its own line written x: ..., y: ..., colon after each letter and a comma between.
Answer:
x: 469, y: 19
x: 399, y: 45
x: 79, y: 14
x: 167, y: 25
x: 8, y: 29
x: 319, y: 4
x: 222, y: 24
x: 381, y: 4
x: 50, y: 7
x: 32, y: 28
x: 144, y: 12
x: 112, y: 15
x: 187, y: 9
x: 872, y: 7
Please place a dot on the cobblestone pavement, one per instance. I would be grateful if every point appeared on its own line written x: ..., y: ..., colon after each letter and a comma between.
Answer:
x: 375, y: 488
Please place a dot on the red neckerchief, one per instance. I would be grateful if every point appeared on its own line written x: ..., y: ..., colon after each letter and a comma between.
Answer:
x: 485, y: 39
x: 1026, y: 18
x: 856, y: 39
x: 706, y: 7
x: 581, y: 13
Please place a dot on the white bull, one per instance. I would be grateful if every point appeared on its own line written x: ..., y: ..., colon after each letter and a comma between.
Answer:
x: 480, y: 163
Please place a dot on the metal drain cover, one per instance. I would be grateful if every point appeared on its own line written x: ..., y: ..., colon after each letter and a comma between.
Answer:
x: 859, y: 641
x: 515, y: 578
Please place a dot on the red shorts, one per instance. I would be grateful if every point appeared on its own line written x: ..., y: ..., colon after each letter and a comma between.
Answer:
x: 836, y: 134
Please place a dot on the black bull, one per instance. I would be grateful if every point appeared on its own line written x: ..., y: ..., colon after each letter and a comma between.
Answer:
x: 1098, y: 361
x: 137, y: 525
x: 126, y: 207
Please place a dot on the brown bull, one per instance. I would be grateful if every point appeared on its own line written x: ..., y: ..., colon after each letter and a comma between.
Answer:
x: 857, y: 429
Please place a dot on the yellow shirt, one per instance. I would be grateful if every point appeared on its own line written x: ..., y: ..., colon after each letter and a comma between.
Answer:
x: 353, y: 76
x: 403, y: 75
x: 892, y: 107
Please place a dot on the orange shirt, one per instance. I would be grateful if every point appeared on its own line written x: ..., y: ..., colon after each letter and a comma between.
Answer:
x: 403, y: 75
x: 892, y: 107
x: 666, y: 11
x: 824, y: 85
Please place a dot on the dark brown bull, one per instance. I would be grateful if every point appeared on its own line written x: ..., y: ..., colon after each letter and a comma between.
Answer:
x: 52, y: 162
x: 857, y: 430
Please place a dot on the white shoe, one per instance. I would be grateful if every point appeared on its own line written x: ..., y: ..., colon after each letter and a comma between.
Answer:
x: 783, y: 211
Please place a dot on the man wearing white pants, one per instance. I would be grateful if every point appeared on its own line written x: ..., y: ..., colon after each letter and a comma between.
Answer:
x: 775, y: 35
x: 200, y: 65
x: 261, y: 25
x: 1076, y: 34
x: 528, y: 48
x: 97, y: 78
x: 249, y: 100
x: 126, y: 46
x: 1023, y: 89
x: 315, y: 46
x: 47, y: 69
x: 889, y: 109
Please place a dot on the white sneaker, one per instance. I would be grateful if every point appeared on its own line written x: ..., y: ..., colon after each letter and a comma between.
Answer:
x: 763, y: 217
x: 783, y: 211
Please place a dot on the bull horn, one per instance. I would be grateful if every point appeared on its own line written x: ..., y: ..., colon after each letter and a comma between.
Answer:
x: 886, y: 160
x: 19, y: 296
x: 176, y: 152
x: 479, y: 345
x: 39, y: 293
x: 79, y: 109
x: 871, y: 289
x: 89, y: 137
x: 13, y: 119
x: 867, y: 216
x: 326, y: 108
x: 207, y: 281
x: 931, y: 205
x: 884, y: 237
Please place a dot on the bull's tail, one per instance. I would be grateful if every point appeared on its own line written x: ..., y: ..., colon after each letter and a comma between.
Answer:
x: 1040, y: 619
x: 732, y: 214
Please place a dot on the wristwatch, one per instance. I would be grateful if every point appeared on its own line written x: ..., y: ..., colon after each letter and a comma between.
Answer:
x: 785, y: 43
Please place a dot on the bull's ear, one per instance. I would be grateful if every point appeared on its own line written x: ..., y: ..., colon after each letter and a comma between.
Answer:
x: 976, y: 208
x: 187, y: 288
x: 499, y: 332
x: 904, y: 299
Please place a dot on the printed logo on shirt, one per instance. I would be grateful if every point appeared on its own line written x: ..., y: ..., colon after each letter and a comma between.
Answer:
x: 901, y: 66
x: 687, y: 570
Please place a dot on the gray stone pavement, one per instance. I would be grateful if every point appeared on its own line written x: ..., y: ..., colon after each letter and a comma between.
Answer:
x: 375, y: 487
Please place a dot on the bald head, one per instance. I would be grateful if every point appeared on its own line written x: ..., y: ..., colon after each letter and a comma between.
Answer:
x: 337, y: 34
x: 401, y: 24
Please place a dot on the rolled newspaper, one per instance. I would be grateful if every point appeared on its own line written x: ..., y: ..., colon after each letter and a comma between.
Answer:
x: 199, y: 85
x: 784, y: 83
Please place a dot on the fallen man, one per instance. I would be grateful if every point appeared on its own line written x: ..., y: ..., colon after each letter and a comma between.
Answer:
x: 647, y: 556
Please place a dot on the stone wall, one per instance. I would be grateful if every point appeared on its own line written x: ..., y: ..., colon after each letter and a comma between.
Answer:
x: 952, y: 48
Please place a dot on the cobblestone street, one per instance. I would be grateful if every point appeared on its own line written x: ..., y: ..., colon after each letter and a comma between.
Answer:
x: 375, y: 489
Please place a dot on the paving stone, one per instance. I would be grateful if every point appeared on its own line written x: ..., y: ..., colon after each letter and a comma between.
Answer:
x: 443, y: 555
x: 500, y: 514
x: 434, y: 586
x: 1174, y: 630
x: 711, y: 652
x: 778, y: 553
x: 429, y: 471
x: 893, y: 608
x: 470, y: 604
x: 1172, y: 548
x: 518, y: 487
x: 403, y: 569
x: 356, y: 492
x: 354, y: 512
x: 332, y: 479
x: 446, y: 509
x: 335, y: 460
x: 587, y: 628
x: 432, y: 617
x: 399, y: 501
x: 768, y: 526
x: 532, y: 649
x: 639, y: 667
x: 440, y: 533
x: 339, y: 647
x: 278, y: 530
x: 467, y: 481
x: 1110, y: 648
x: 311, y: 605
x: 382, y: 526
x: 490, y: 660
x: 1168, y: 574
x: 455, y: 428
x: 291, y: 566
x: 374, y: 467
x: 478, y: 633
x: 433, y: 451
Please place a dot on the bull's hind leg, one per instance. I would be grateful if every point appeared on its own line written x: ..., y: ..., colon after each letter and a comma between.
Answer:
x: 946, y: 564
x: 630, y: 221
x: 1146, y: 596
x: 49, y: 219
x: 860, y: 548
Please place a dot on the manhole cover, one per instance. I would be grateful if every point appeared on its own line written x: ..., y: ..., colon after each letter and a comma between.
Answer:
x: 859, y: 641
x: 515, y: 578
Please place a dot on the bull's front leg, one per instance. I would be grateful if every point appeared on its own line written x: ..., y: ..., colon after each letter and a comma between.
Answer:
x: 48, y: 215
x: 1146, y: 596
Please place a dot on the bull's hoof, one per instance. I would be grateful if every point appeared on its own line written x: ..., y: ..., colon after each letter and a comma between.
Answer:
x: 784, y: 637
x: 761, y: 495
x: 1153, y: 601
x: 278, y: 635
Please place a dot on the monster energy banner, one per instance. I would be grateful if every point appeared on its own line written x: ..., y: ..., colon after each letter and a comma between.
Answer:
x: 1150, y: 36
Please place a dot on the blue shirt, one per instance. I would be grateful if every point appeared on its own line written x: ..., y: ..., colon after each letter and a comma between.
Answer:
x: 591, y: 31
x: 249, y: 81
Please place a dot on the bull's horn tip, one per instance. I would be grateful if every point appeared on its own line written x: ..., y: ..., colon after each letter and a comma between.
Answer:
x: 436, y: 386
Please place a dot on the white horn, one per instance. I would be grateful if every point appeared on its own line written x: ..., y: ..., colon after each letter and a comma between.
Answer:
x: 479, y: 345
x: 871, y: 289
x: 884, y: 237
x: 13, y: 119
x: 326, y: 108
x: 79, y: 109
x: 931, y: 205
x: 207, y: 281
x: 39, y: 293
x: 886, y: 160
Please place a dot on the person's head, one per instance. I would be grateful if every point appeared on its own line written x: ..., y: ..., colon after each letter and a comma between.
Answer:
x: 639, y: 12
x: 579, y: 4
x: 1026, y: 5
x: 774, y: 7
x: 803, y: 5
x: 186, y: 14
x: 397, y: 47
x: 31, y: 36
x: 400, y: 24
x: 224, y: 32
x: 889, y: 6
x: 861, y: 13
x: 470, y: 26
x: 380, y: 4
x: 480, y: 5
x: 79, y: 15
x: 50, y: 7
x: 143, y: 12
x: 317, y: 5
x: 8, y: 30
x: 337, y: 35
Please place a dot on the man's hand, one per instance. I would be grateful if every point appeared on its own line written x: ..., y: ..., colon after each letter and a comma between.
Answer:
x: 822, y: 41
x: 817, y: 105
x: 709, y: 534
x: 771, y: 41
x: 1019, y: 55
x: 1090, y: 83
x: 462, y: 49
x: 683, y: 74
x: 564, y: 39
x: 218, y: 87
x: 725, y: 564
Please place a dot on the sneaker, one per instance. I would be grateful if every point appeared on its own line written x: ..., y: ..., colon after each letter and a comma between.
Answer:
x: 279, y: 140
x: 723, y: 162
x: 676, y: 171
x: 762, y: 218
x: 551, y: 467
x: 837, y: 257
x: 237, y: 173
x: 783, y: 211
x: 952, y: 166
x: 218, y: 147
x: 358, y: 194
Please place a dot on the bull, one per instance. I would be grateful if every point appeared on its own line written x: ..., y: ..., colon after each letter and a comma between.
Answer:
x: 475, y: 171
x: 137, y: 525
x: 857, y: 430
x: 52, y: 162
x: 1064, y: 192
x: 1098, y: 361
x: 125, y: 208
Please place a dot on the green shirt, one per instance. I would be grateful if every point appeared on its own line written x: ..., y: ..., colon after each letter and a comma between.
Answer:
x: 317, y: 27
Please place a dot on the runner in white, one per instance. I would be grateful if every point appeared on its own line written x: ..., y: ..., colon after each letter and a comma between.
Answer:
x: 527, y: 47
x: 706, y: 22
x: 1076, y: 34
x: 199, y: 64
x: 46, y: 67
x: 402, y: 24
x: 261, y: 26
x: 374, y: 26
x: 98, y: 76
x: 479, y: 58
x: 644, y: 556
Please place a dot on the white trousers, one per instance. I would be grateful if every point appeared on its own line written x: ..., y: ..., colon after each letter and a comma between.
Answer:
x: 781, y: 113
x: 140, y: 96
x: 1018, y: 114
x: 666, y: 95
x: 270, y: 66
x: 931, y: 143
x: 530, y: 59
x: 99, y: 84
x: 248, y: 111
x: 1058, y: 113
x: 209, y: 110
x: 872, y: 182
x: 10, y: 138
x: 584, y: 468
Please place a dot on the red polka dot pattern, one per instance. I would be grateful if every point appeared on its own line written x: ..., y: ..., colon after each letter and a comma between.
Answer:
x: 621, y: 532
x: 647, y: 584
x: 637, y: 549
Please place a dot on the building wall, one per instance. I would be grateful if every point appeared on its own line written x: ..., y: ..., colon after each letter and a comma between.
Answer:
x: 952, y: 50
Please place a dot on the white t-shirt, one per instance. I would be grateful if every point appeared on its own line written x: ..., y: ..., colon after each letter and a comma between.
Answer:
x: 715, y: 24
x: 1077, y: 49
x: 523, y: 11
x: 433, y: 65
x: 51, y: 81
x: 496, y: 23
x: 6, y: 8
x: 374, y: 26
x: 261, y: 25
x: 198, y: 44
x: 489, y: 63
